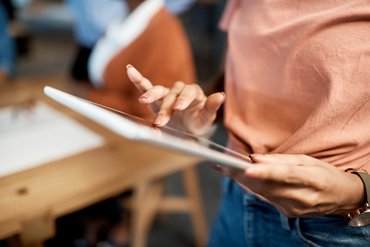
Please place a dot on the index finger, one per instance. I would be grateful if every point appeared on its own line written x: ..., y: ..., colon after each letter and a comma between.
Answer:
x: 280, y: 173
x: 138, y: 79
x: 268, y: 171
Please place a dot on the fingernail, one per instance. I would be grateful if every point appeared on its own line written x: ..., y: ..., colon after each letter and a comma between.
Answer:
x: 215, y: 166
x: 223, y: 94
x: 251, y: 157
x: 133, y: 74
x: 144, y: 97
x: 256, y: 157
x: 178, y: 105
x: 158, y: 120
x: 251, y: 171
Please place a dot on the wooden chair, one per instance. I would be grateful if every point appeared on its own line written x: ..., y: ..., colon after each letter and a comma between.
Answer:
x: 149, y: 200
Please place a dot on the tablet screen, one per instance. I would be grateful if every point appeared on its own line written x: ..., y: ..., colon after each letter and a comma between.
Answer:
x: 177, y: 133
x: 140, y: 129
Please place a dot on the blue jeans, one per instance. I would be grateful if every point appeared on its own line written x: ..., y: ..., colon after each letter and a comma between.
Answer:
x: 245, y: 220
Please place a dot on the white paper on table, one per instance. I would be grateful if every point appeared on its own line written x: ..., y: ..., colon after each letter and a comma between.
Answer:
x: 32, y: 138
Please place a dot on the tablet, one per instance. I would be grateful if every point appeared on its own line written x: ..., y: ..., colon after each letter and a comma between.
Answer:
x: 139, y: 129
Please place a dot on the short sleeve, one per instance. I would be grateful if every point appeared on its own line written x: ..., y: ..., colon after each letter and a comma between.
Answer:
x: 230, y: 8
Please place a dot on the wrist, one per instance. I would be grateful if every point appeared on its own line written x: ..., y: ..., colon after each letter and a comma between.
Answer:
x: 352, y: 196
x: 361, y: 215
x: 357, y: 191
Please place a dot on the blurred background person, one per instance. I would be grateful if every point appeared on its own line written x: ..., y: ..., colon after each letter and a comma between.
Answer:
x: 178, y: 7
x: 7, y: 46
x: 154, y: 33
x: 91, y: 19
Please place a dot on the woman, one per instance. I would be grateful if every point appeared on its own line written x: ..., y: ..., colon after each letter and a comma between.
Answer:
x: 298, y: 100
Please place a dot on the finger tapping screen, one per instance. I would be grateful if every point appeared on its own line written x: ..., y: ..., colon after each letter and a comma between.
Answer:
x: 136, y: 128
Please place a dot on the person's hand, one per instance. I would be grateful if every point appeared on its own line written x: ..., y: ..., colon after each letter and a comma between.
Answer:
x: 184, y: 106
x: 299, y: 185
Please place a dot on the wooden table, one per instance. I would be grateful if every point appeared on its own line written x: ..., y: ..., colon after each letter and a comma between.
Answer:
x: 31, y: 200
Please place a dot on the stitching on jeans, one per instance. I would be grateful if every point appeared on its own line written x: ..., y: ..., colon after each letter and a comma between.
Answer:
x: 303, y: 238
x: 248, y: 218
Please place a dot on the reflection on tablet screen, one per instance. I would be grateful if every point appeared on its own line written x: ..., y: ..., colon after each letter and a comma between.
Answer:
x: 177, y: 133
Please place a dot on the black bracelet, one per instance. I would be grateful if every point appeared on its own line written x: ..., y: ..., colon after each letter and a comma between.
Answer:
x: 361, y: 216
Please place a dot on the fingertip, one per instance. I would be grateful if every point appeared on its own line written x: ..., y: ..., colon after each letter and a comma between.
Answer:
x: 215, y: 101
x: 255, y: 171
x: 161, y: 120
x: 223, y: 95
x: 256, y: 157
x: 133, y: 74
x: 252, y: 171
x: 219, y: 97
x: 158, y: 120
x: 179, y: 105
x: 144, y: 99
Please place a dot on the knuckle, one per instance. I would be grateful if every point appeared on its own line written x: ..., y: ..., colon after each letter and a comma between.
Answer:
x: 171, y: 96
x: 162, y: 90
x: 309, y: 201
x: 199, y: 98
x: 268, y: 174
x: 157, y: 87
x: 291, y: 179
x: 197, y: 88
x: 179, y: 84
x: 188, y: 88
x: 164, y: 109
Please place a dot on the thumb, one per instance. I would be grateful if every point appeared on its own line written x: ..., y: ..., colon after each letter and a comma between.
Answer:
x: 207, y: 114
x: 213, y: 103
